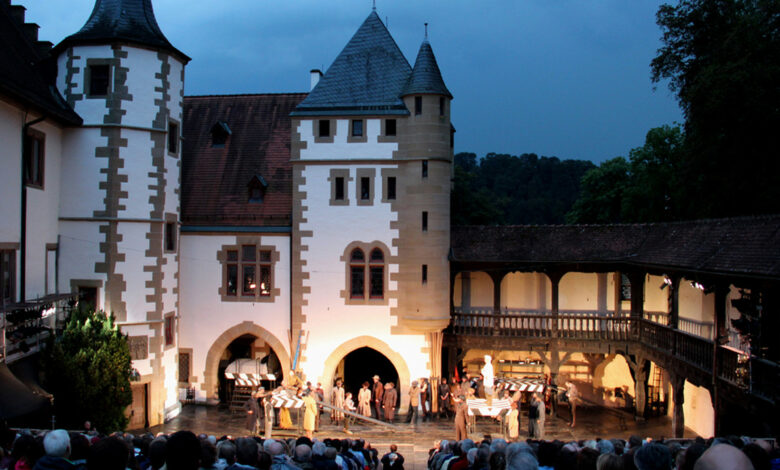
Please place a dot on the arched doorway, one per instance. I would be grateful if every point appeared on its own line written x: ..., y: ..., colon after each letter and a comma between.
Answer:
x: 223, y: 343
x: 361, y: 365
x: 369, y: 342
x: 259, y: 355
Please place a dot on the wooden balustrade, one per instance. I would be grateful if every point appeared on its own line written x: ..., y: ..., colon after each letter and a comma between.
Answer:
x: 763, y: 377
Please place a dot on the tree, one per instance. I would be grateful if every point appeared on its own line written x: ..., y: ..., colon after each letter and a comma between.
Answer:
x: 644, y: 188
x: 722, y: 59
x: 87, y: 370
x: 502, y: 189
x: 654, y: 190
x: 601, y: 199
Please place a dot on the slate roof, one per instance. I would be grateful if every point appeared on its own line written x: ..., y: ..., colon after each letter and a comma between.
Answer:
x: 426, y: 77
x: 746, y: 246
x: 130, y: 21
x: 367, y: 77
x: 214, y: 180
x: 23, y: 72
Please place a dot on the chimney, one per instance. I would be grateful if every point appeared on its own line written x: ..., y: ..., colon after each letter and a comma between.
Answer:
x: 17, y: 13
x: 31, y: 31
x: 43, y: 47
x: 316, y: 74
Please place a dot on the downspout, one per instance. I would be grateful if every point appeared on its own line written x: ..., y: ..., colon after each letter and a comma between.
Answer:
x: 23, y: 224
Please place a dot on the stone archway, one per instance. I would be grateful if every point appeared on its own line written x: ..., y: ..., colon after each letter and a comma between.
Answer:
x: 210, y: 379
x: 404, y: 377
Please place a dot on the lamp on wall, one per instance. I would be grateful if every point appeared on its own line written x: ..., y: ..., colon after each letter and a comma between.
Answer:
x: 667, y: 282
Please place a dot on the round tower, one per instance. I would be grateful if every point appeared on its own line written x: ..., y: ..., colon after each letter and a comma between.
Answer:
x: 119, y: 205
x: 425, y: 160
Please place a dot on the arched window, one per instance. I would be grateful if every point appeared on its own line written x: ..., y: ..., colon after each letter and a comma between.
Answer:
x: 377, y: 272
x: 357, y: 276
x: 366, y: 274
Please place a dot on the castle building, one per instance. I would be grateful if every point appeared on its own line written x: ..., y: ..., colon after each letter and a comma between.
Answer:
x: 309, y: 233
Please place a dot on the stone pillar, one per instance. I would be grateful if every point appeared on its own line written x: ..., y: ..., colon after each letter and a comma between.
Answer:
x: 678, y: 398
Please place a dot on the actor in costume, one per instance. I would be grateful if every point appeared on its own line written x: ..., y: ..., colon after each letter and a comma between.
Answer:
x: 337, y: 400
x: 309, y: 414
x: 461, y: 410
x: 364, y: 400
x: 389, y: 400
x: 444, y: 399
x: 512, y: 423
x: 252, y: 409
x: 377, y: 391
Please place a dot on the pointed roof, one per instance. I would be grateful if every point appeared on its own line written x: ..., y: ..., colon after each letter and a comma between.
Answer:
x: 367, y: 77
x: 426, y: 77
x: 130, y: 21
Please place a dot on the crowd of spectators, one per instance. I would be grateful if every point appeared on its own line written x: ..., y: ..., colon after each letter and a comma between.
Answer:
x: 183, y: 450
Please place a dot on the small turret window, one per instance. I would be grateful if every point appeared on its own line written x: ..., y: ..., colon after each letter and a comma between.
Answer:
x: 99, y: 80
x: 418, y: 105
x: 441, y: 106
x: 173, y: 137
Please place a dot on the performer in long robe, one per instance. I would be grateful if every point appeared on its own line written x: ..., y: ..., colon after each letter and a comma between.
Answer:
x: 364, y: 400
x: 268, y: 405
x: 337, y: 400
x: 461, y: 410
x: 252, y: 409
x: 377, y: 391
x: 309, y: 414
x: 513, y: 425
x: 389, y: 400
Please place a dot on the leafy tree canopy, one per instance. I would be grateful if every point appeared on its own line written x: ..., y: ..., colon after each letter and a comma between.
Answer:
x: 502, y: 189
x: 722, y: 59
x: 644, y: 188
x: 87, y: 370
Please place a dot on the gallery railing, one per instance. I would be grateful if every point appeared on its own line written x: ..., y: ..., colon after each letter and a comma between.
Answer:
x: 734, y: 366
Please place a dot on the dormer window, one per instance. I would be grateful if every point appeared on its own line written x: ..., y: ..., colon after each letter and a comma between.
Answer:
x: 220, y: 132
x: 257, y: 186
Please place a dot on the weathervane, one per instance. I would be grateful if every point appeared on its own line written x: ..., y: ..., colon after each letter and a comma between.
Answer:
x: 426, y: 30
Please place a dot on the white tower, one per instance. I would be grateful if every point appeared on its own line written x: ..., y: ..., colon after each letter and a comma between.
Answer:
x: 119, y: 212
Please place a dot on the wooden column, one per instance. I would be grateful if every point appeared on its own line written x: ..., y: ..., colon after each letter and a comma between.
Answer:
x: 637, y: 293
x: 497, y: 277
x: 720, y: 337
x: 555, y: 279
x: 674, y: 301
x: 678, y: 398
x: 639, y: 371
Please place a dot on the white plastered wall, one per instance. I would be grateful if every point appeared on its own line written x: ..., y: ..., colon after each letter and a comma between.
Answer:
x: 204, y: 316
x: 11, y: 121
x: 330, y: 321
x: 578, y: 291
x: 340, y: 149
x: 656, y: 299
x: 694, y: 304
x: 698, y: 410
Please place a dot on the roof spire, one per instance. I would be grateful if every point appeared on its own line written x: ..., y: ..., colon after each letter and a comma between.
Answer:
x: 373, y: 8
x: 426, y: 31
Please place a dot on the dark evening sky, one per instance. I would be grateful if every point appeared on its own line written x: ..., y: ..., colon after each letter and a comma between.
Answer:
x: 566, y: 78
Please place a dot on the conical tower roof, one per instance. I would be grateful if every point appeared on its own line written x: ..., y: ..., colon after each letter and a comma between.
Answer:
x: 367, y: 77
x: 425, y: 77
x: 130, y: 21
